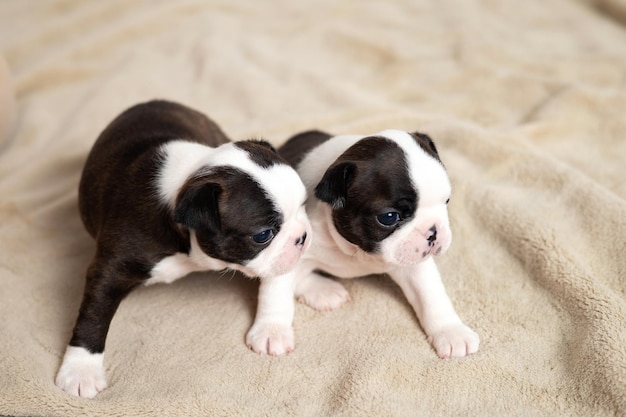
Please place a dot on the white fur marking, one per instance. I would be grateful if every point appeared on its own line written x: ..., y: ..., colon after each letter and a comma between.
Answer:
x: 170, y: 269
x: 81, y: 373
x: 271, y: 332
x: 426, y: 172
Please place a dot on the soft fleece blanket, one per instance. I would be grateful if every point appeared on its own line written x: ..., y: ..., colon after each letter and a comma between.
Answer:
x: 526, y: 101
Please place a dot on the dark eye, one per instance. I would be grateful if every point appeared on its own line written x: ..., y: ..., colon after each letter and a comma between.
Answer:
x: 447, y: 201
x: 388, y: 219
x: 263, y: 237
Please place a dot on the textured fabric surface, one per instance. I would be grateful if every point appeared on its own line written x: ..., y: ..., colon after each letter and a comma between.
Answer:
x: 526, y: 101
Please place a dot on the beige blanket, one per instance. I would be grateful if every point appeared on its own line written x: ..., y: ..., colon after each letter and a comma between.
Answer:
x: 527, y: 103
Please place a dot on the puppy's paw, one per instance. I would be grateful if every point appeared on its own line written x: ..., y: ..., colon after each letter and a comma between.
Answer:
x: 270, y: 338
x: 82, y: 373
x: 323, y: 294
x: 454, y: 341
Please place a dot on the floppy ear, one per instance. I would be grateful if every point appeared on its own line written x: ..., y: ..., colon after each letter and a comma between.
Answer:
x: 260, y: 152
x: 425, y: 142
x: 263, y: 143
x: 197, y: 206
x: 296, y: 147
x: 333, y: 188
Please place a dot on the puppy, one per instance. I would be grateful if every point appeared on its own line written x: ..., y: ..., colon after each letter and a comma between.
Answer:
x: 378, y: 204
x: 165, y: 193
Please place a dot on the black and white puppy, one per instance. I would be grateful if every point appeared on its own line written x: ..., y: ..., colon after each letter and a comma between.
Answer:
x: 165, y: 193
x: 378, y: 204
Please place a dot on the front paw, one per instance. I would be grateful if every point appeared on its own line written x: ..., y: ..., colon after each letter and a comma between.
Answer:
x: 454, y: 341
x: 270, y: 338
x: 81, y: 373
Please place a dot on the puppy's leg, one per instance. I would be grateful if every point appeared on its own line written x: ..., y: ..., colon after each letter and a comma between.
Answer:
x: 272, y: 332
x: 320, y: 293
x: 82, y: 371
x: 446, y: 332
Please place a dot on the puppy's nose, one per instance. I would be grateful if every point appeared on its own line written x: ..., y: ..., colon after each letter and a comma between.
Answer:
x: 300, y: 241
x: 432, y: 236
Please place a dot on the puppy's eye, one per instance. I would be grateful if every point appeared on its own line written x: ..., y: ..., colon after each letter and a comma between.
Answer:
x: 447, y: 201
x: 263, y: 237
x: 388, y: 219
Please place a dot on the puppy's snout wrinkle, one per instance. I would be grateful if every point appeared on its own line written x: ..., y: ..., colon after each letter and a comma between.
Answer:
x: 300, y: 241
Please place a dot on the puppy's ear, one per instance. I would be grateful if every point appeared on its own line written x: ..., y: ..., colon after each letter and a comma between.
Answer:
x: 260, y: 152
x: 314, y: 136
x: 296, y: 147
x: 197, y: 206
x: 333, y: 188
x: 268, y: 145
x: 426, y: 143
x: 263, y: 143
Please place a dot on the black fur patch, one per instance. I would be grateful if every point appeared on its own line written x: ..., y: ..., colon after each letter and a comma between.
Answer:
x: 225, y: 207
x: 125, y: 156
x: 369, y: 178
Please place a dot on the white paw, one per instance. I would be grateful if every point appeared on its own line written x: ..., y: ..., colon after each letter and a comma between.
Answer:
x: 270, y: 338
x: 323, y: 294
x: 454, y: 341
x: 81, y: 373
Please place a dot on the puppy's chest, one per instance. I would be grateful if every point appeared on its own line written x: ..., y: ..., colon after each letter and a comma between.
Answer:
x: 331, y: 259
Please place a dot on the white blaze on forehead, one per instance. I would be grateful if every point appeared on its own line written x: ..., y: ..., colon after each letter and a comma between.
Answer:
x: 182, y: 158
x: 426, y: 172
x: 282, y: 185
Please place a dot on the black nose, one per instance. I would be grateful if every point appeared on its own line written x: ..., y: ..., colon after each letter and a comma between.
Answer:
x: 433, y: 234
x: 301, y: 239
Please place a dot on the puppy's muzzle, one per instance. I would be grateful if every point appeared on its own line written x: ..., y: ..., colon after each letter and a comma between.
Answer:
x: 300, y: 241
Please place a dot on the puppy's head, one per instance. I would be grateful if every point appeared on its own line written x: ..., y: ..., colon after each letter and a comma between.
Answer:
x: 388, y: 195
x: 246, y: 209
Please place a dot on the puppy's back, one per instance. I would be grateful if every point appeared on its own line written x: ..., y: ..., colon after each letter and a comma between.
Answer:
x: 126, y: 153
x: 153, y: 123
